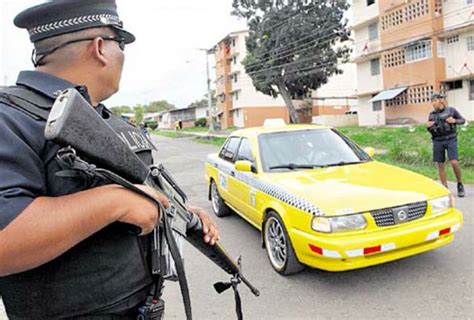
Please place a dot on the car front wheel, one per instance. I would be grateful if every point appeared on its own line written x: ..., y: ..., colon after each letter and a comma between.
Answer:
x: 219, y: 207
x: 278, y: 246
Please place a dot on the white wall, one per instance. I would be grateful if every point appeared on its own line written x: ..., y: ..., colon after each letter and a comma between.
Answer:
x: 238, y: 116
x: 341, y: 85
x: 361, y: 38
x: 361, y: 12
x: 456, y: 12
x: 456, y: 54
x: 459, y: 99
x: 201, y: 112
x: 367, y: 83
x: 368, y: 117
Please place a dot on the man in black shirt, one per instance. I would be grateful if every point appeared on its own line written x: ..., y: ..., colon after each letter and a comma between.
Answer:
x: 441, y: 124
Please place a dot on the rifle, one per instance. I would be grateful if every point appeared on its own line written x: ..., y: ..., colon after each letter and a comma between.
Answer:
x: 74, y: 123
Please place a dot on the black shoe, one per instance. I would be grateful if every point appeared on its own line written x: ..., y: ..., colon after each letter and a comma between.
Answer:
x: 461, y: 192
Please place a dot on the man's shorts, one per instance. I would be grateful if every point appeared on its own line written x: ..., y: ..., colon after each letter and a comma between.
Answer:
x: 440, y: 148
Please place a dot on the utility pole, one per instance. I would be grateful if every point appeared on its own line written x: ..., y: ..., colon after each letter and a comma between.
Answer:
x: 212, y: 124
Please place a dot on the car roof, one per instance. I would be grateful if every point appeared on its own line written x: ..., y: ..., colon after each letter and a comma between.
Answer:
x: 255, y: 131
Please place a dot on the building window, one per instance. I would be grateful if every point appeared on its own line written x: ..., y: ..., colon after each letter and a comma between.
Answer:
x: 373, y: 31
x: 470, y: 43
x: 370, y: 2
x: 236, y: 78
x: 234, y: 59
x: 394, y: 58
x: 377, y: 106
x: 452, y: 39
x: 471, y: 89
x: 236, y: 95
x: 233, y: 42
x: 453, y: 85
x: 441, y: 49
x: 418, y: 51
x: 469, y: 1
x: 375, y: 67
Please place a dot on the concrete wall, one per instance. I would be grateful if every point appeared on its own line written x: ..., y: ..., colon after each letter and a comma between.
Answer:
x: 238, y: 116
x: 456, y: 12
x: 363, y: 13
x: 337, y: 120
x: 459, y: 99
x: 368, y: 117
x: 256, y: 116
x: 201, y: 112
x: 367, y: 83
x: 456, y: 55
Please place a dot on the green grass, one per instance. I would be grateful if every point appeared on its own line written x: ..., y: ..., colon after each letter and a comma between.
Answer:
x: 413, y: 150
x: 169, y: 133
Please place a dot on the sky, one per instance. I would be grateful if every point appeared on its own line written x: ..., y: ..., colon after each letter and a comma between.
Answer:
x: 163, y: 64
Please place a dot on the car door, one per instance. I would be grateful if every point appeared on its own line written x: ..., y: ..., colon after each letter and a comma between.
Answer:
x: 245, y: 193
x: 226, y: 171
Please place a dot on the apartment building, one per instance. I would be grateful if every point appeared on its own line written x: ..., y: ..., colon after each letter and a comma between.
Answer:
x: 407, y: 49
x: 240, y: 105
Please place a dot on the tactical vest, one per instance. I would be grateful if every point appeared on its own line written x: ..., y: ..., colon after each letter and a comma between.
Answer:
x: 109, y: 269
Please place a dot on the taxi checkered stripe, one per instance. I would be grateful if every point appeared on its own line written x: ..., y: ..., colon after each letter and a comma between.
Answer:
x: 72, y: 22
x: 268, y: 188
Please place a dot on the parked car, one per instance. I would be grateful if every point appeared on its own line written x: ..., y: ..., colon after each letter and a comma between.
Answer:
x: 320, y: 200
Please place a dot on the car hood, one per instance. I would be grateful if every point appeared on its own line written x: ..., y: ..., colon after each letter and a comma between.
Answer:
x: 357, y: 188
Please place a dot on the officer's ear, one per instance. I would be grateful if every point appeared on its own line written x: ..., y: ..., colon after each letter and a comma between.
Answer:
x: 98, y: 51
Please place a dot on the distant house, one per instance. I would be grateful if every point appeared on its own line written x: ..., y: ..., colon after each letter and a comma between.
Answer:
x: 167, y: 119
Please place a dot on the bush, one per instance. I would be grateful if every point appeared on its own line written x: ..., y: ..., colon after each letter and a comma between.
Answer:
x: 201, y: 122
x: 151, y: 124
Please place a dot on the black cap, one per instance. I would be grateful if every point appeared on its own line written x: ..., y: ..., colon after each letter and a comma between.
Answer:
x: 58, y: 17
x: 437, y: 95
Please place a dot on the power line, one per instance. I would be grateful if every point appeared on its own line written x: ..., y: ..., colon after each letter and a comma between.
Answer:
x: 291, y: 51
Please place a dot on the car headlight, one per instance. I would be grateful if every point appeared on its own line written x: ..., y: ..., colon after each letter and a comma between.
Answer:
x: 441, y: 205
x: 337, y: 224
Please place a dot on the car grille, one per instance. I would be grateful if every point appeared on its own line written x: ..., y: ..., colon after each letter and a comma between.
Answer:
x: 384, y: 217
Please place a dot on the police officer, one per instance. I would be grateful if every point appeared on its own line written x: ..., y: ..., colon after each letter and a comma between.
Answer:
x: 441, y: 124
x: 64, y: 251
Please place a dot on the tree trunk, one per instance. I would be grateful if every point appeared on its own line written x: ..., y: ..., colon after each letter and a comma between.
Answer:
x: 289, y: 103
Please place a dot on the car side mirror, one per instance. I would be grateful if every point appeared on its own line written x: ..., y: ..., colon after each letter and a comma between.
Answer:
x: 243, y: 165
x: 370, y: 151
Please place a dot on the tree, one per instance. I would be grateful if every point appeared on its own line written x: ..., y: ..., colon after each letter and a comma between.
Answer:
x: 294, y: 46
x: 204, y: 101
x: 118, y: 111
x: 158, y: 106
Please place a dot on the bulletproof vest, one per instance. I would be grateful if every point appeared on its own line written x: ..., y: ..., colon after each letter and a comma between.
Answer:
x: 442, y: 129
x: 106, y: 269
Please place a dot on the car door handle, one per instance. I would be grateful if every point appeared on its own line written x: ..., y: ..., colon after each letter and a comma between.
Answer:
x: 232, y: 173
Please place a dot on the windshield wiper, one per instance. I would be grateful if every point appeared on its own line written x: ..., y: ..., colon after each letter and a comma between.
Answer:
x: 294, y: 166
x: 342, y: 163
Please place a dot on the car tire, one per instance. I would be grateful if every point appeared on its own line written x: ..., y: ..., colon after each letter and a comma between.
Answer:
x: 278, y: 246
x: 219, y: 207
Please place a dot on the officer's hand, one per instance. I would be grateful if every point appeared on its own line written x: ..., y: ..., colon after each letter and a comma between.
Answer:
x: 211, y: 233
x: 142, y: 212
x: 451, y: 120
x: 429, y: 124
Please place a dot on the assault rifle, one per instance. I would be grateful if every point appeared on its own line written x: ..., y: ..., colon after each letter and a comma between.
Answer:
x: 74, y: 124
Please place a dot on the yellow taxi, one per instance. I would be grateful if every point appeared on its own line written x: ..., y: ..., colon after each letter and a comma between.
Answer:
x: 322, y: 201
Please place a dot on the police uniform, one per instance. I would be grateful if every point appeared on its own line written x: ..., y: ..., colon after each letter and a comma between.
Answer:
x: 107, y: 275
x: 444, y: 134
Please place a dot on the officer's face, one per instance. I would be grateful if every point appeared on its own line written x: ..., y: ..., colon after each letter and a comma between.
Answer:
x: 116, y: 58
x: 438, y: 104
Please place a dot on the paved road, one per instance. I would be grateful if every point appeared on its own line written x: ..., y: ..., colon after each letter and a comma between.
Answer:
x: 434, y: 285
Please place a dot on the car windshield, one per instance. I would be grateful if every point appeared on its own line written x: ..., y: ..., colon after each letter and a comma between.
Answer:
x: 307, y: 149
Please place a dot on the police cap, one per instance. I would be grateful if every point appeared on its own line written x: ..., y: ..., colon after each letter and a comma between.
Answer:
x: 437, y: 95
x: 58, y: 17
